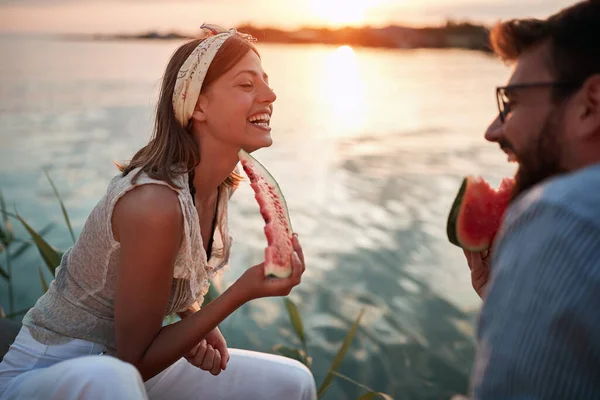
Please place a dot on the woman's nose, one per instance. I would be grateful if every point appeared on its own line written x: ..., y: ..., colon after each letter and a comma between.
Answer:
x: 268, y: 95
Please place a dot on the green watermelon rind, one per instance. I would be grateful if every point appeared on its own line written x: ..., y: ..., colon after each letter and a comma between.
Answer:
x: 271, y: 180
x: 452, y: 223
x: 246, y: 157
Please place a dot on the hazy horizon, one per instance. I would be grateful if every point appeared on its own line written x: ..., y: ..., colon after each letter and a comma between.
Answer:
x: 109, y: 16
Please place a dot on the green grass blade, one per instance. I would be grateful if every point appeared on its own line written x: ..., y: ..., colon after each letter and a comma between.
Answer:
x: 8, y: 214
x: 374, y: 395
x: 6, y: 231
x: 4, y: 274
x: 341, y: 354
x: 368, y: 396
x: 6, y: 236
x: 50, y: 256
x: 43, y: 280
x: 322, y: 390
x: 295, y: 319
x: 62, y: 205
x: 371, y: 393
x: 3, y: 209
x: 26, y: 244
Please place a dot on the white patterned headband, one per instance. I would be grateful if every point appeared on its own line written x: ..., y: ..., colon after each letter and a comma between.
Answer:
x: 193, y: 71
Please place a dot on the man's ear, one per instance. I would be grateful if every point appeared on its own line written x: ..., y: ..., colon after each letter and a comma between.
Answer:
x: 199, y: 113
x: 588, y: 115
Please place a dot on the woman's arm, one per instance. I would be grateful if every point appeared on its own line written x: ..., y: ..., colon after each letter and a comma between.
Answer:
x: 148, y: 223
x: 176, y: 340
x: 189, y: 311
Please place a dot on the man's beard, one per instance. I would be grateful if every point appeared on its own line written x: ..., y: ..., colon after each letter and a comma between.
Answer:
x: 542, y: 159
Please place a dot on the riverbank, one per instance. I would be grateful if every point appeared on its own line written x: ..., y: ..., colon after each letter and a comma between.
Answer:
x: 463, y: 35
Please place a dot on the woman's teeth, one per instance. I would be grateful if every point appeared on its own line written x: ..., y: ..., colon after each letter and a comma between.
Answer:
x: 261, y: 120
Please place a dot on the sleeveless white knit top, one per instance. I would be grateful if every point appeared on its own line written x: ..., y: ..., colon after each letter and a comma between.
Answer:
x: 79, y: 302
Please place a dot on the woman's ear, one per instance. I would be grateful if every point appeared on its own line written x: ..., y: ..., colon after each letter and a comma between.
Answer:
x: 199, y: 113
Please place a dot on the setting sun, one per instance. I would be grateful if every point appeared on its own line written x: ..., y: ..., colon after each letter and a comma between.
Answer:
x: 342, y: 12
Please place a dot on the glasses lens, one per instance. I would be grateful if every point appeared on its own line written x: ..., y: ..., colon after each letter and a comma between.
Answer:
x: 500, y: 102
x: 503, y: 104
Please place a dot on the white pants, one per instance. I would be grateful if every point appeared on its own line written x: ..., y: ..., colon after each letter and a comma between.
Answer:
x: 31, y: 370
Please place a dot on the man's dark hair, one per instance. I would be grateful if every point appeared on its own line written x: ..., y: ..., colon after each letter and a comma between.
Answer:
x: 573, y: 34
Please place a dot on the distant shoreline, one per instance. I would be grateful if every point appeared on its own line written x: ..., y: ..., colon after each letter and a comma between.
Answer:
x: 454, y: 35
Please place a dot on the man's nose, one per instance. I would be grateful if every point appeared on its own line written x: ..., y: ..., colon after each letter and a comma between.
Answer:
x: 494, y: 131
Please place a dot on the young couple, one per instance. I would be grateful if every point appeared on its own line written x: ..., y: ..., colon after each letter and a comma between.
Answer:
x: 151, y: 244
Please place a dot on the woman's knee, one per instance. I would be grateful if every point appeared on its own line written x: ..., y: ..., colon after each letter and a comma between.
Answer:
x: 303, y: 379
x: 293, y: 378
x: 105, y: 376
x: 98, y: 377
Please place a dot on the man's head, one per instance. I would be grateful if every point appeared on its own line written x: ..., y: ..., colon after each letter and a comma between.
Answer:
x: 549, y: 118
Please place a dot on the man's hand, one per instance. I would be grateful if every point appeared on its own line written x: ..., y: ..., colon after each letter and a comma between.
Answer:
x: 480, y: 270
x: 211, y: 353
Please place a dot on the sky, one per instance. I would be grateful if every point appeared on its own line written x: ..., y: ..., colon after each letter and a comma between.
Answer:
x: 114, y: 16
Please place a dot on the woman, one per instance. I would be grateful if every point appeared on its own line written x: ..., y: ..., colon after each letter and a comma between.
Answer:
x: 148, y: 249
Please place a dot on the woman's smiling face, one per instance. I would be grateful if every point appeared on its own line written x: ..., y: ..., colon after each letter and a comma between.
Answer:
x: 236, y: 109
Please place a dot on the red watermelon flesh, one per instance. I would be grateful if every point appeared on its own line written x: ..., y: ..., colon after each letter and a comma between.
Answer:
x: 477, y: 213
x: 273, y: 208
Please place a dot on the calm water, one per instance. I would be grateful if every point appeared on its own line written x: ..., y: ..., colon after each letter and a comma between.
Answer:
x: 370, y: 147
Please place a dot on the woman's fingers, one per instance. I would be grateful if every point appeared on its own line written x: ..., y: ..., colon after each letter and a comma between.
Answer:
x: 193, y: 351
x: 298, y: 249
x: 297, y: 269
x: 216, y: 367
x: 208, y: 358
x: 199, y: 356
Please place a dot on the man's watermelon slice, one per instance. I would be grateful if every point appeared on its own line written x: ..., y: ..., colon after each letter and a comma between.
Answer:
x: 273, y: 208
x: 477, y: 212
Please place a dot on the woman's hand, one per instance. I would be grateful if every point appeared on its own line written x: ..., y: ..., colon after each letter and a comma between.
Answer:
x: 480, y: 270
x: 210, y: 354
x: 254, y: 284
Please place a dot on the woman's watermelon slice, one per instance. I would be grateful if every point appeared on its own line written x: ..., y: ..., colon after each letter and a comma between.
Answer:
x: 477, y: 213
x: 273, y: 208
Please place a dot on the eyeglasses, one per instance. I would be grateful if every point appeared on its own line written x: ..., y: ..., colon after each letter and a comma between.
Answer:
x: 503, y: 98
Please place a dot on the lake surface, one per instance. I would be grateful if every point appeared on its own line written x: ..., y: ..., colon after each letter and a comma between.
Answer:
x: 370, y: 148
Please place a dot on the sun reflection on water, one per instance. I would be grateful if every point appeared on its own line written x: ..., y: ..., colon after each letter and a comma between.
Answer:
x: 343, y: 92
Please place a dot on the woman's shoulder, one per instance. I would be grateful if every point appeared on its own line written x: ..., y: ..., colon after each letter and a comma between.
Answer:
x: 148, y: 207
x: 138, y: 199
x: 151, y: 199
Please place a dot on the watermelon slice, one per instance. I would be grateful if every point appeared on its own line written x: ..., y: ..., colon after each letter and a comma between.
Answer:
x: 273, y: 208
x: 477, y: 212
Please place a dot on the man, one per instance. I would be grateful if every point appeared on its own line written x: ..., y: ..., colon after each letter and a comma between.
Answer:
x: 539, y: 329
